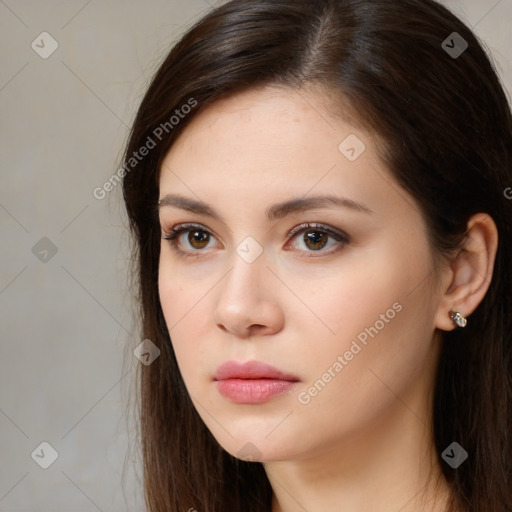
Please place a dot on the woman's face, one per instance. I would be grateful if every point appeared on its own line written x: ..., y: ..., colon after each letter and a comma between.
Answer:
x: 344, y: 308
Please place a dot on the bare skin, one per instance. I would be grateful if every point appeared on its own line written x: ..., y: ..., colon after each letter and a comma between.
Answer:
x: 351, y: 436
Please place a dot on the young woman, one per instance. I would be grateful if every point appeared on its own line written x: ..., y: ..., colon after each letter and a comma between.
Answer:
x: 319, y: 193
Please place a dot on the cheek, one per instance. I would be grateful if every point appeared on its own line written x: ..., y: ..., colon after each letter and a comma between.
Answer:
x: 343, y: 302
x: 181, y: 293
x: 375, y: 311
x: 185, y: 298
x: 380, y: 313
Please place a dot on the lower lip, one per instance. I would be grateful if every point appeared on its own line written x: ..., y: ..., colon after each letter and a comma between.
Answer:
x: 252, y: 391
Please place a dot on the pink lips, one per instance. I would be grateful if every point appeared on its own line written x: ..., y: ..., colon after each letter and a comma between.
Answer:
x: 252, y: 382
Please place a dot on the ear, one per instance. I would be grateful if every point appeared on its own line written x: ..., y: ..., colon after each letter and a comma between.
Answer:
x: 469, y: 274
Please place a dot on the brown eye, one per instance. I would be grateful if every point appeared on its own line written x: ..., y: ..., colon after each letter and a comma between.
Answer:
x: 318, y: 239
x: 315, y: 240
x: 198, y: 239
x: 188, y: 239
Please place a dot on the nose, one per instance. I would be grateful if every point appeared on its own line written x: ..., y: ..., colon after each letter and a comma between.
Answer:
x: 248, y: 303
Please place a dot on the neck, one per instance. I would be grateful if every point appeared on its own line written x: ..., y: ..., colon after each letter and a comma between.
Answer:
x: 391, y: 465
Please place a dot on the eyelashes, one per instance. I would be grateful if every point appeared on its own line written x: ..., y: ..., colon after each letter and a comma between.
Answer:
x: 173, y: 234
x: 313, y: 233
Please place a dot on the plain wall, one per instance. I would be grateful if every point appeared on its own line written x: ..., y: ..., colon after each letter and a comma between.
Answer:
x: 66, y: 317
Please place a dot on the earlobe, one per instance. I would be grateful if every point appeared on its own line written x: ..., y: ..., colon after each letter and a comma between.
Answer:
x: 471, y: 273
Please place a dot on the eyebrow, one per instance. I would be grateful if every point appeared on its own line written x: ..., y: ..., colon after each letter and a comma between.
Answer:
x: 276, y: 211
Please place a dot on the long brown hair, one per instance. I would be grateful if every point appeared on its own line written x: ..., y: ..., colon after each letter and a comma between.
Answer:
x: 446, y: 123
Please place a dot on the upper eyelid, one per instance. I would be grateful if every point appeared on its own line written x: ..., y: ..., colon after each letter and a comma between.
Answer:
x: 188, y: 226
x: 319, y: 226
x: 296, y: 229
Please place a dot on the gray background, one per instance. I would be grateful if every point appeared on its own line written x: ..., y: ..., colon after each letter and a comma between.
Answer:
x: 67, y: 368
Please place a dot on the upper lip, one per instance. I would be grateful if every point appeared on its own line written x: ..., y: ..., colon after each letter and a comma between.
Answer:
x: 251, y: 370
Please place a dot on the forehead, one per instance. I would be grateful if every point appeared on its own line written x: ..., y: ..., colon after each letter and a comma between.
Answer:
x: 270, y: 144
x: 263, y: 123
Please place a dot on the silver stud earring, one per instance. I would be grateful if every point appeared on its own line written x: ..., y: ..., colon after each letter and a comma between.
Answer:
x: 458, y: 319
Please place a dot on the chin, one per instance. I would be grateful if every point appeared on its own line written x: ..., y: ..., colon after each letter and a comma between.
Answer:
x: 253, y: 449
